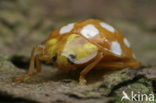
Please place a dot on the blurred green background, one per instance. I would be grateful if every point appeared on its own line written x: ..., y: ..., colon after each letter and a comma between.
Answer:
x: 25, y: 23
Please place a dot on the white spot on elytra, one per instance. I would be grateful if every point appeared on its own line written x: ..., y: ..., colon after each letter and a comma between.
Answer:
x: 126, y: 42
x: 89, y: 31
x: 115, y: 48
x: 67, y: 28
x: 108, y: 27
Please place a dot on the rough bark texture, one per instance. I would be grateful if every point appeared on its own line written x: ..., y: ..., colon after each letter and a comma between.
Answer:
x: 54, y: 86
x: 25, y: 23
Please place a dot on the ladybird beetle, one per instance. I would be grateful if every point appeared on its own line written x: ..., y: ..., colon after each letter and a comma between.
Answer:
x: 85, y: 44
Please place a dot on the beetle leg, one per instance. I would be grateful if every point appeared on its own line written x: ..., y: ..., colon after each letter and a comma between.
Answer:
x: 115, y: 64
x: 133, y: 63
x: 31, y: 68
x: 83, y: 73
x: 38, y: 67
x: 38, y: 64
x: 118, y: 64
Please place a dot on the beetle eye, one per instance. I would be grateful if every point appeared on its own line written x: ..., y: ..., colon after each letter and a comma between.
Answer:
x: 54, y: 58
x: 71, y: 58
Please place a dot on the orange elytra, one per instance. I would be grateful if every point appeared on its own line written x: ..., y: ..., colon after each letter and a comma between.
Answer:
x: 85, y: 44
